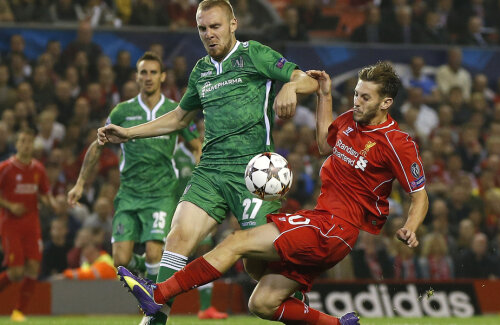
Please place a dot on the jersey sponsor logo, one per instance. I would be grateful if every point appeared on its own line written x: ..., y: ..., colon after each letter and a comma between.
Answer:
x: 417, y: 183
x: 348, y: 130
x: 343, y: 153
x: 238, y: 62
x: 347, y: 148
x: 361, y: 163
x: 281, y: 63
x: 133, y: 118
x: 26, y: 188
x: 415, y: 170
x: 207, y: 73
x: 368, y: 145
x: 208, y: 87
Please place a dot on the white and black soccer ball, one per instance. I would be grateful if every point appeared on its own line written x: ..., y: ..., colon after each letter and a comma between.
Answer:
x: 268, y: 176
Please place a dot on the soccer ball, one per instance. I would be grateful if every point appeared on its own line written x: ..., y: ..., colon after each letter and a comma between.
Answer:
x: 268, y: 176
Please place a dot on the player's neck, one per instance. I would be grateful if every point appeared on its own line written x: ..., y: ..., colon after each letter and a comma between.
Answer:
x: 24, y: 159
x: 223, y: 56
x: 377, y: 120
x: 151, y: 100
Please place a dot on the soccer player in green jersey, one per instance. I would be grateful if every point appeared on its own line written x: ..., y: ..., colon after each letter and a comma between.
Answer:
x: 146, y: 200
x: 234, y: 86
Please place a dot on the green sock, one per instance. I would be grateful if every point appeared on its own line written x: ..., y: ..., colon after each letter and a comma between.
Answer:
x: 137, y: 263
x: 205, y: 295
x: 170, y: 263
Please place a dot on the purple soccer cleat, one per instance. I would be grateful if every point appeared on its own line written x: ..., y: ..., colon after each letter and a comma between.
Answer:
x: 349, y: 319
x: 142, y: 289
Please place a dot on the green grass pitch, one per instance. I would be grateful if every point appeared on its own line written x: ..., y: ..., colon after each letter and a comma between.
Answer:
x: 242, y: 320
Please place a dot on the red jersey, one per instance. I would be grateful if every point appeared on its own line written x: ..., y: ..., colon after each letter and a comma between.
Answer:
x: 357, y: 178
x: 22, y: 183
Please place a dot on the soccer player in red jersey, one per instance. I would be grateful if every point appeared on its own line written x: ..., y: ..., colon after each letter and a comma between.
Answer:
x: 22, y: 180
x: 367, y: 152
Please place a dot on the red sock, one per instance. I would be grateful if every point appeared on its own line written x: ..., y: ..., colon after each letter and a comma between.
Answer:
x: 193, y: 275
x: 4, y: 280
x: 294, y: 311
x: 27, y: 289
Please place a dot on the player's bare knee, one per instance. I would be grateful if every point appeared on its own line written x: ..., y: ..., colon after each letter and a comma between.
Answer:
x: 181, y: 240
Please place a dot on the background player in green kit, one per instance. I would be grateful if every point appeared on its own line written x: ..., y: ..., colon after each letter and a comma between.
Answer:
x: 146, y: 200
x: 234, y: 86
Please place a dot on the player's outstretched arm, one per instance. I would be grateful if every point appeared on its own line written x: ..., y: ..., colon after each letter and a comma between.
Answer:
x: 170, y: 122
x: 286, y: 100
x: 416, y: 214
x: 89, y: 162
x: 324, y: 114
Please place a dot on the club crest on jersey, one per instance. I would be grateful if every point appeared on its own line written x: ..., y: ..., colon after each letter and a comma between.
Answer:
x: 415, y: 170
x: 238, y: 62
x: 368, y: 145
x: 281, y: 63
x: 19, y: 177
x: 348, y: 130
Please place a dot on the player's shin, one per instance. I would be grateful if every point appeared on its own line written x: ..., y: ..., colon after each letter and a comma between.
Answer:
x: 294, y: 311
x: 170, y: 263
x: 196, y: 273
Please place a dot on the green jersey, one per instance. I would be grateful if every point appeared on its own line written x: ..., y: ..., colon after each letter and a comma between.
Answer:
x: 146, y: 165
x: 237, y: 96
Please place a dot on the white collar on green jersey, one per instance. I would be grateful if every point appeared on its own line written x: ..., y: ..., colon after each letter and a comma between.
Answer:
x: 151, y: 114
x: 218, y: 65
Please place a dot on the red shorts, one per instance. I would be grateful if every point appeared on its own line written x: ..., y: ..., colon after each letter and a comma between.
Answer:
x: 21, y: 246
x: 310, y: 243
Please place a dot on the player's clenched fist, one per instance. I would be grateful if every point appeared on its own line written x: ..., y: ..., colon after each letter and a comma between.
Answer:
x: 407, y: 236
x: 286, y: 101
x: 112, y: 133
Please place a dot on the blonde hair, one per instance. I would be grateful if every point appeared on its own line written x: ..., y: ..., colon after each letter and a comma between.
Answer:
x: 209, y: 4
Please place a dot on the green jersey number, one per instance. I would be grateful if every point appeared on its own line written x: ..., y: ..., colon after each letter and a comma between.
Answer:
x: 257, y: 203
x: 160, y: 219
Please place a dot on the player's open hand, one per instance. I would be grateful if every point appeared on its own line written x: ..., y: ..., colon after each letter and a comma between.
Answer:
x: 325, y: 83
x: 286, y: 102
x: 112, y: 133
x: 407, y: 236
x: 75, y: 194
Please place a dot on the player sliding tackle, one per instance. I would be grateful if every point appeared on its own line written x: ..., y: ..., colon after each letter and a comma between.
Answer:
x: 234, y: 86
x: 301, y: 246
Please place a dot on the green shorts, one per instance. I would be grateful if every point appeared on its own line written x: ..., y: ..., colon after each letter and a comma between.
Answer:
x: 218, y: 189
x: 141, y: 219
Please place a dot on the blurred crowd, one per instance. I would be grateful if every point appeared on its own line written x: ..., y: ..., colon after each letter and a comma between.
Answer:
x: 67, y: 93
x: 462, y: 22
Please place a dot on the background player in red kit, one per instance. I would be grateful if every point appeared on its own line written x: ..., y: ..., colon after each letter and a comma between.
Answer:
x: 367, y: 152
x: 22, y: 180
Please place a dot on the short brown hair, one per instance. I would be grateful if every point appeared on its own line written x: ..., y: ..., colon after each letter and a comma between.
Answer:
x: 151, y: 56
x: 383, y: 74
x: 208, y: 4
